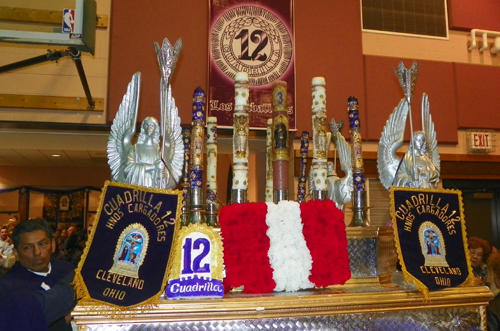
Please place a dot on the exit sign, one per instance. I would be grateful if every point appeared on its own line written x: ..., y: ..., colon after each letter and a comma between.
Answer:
x: 480, y: 141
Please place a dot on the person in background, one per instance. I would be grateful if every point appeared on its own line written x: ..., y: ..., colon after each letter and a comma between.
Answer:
x: 479, y: 250
x: 35, y: 269
x: 71, y: 250
x: 57, y: 237
x: 494, y: 304
x: 6, y: 251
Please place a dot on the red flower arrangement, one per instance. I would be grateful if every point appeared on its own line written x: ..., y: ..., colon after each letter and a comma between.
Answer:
x: 246, y: 245
x: 324, y: 231
x: 245, y: 242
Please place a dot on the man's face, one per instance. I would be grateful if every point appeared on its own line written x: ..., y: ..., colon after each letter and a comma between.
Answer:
x: 35, y: 250
x: 4, y: 233
x: 71, y: 230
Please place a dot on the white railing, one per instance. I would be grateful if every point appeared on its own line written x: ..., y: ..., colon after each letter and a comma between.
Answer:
x: 485, y: 34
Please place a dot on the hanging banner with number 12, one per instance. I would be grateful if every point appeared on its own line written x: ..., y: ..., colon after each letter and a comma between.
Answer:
x: 255, y: 37
x: 197, y: 266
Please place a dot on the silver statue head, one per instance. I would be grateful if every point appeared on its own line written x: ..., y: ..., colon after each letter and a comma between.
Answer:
x: 149, y: 128
x: 419, y: 142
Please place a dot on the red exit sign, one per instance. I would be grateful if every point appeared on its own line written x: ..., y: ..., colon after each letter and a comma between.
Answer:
x: 480, y: 140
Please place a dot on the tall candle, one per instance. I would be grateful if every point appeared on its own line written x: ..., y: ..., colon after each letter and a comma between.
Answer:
x: 304, y: 151
x: 197, y: 214
x: 269, y: 161
x: 186, y: 139
x: 280, y: 142
x: 359, y: 209
x: 212, y: 159
x: 240, y: 139
x: 357, y: 153
x: 320, y: 143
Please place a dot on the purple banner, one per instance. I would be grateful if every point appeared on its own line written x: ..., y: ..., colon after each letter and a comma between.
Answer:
x: 257, y: 38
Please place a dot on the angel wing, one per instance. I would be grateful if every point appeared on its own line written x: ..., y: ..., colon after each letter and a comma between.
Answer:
x: 430, y: 133
x: 173, y: 148
x: 123, y: 129
x: 344, y: 149
x: 391, y: 139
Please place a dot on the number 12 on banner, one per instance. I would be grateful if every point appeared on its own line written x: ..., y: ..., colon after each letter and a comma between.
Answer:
x: 195, y: 252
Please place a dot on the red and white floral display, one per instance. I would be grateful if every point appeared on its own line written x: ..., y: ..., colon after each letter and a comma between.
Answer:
x: 284, y: 247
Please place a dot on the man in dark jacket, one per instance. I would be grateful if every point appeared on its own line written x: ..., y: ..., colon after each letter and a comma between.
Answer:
x: 35, y: 270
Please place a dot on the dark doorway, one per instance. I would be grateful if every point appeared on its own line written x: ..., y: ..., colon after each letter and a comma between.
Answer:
x: 481, y: 207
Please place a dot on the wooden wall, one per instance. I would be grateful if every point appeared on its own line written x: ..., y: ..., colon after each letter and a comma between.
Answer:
x: 328, y: 42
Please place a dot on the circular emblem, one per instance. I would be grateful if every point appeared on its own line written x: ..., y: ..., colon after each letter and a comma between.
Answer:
x: 253, y: 40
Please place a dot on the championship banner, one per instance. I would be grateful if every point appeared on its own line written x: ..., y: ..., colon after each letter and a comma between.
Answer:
x: 255, y: 37
x: 430, y: 237
x: 125, y: 262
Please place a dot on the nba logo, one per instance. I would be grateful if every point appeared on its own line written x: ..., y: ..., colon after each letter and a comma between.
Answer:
x: 68, y: 25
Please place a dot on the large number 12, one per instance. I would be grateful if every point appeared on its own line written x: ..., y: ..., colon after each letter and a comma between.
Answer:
x: 258, y: 37
x: 188, y: 248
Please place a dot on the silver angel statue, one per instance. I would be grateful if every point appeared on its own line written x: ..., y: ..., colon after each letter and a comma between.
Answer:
x: 340, y: 189
x: 420, y: 166
x: 156, y: 158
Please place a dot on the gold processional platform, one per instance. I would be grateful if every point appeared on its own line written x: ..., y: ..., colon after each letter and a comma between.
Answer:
x: 375, y: 298
x: 349, y: 307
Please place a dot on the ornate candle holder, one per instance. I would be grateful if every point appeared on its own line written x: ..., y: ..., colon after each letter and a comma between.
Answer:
x: 197, y: 208
x: 359, y: 216
x: 304, y: 150
x: 280, y: 142
x: 186, y: 185
x: 269, y: 161
x: 239, y: 191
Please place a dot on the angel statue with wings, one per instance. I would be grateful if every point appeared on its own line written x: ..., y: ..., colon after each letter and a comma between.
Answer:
x: 155, y: 158
x: 340, y: 189
x: 420, y: 166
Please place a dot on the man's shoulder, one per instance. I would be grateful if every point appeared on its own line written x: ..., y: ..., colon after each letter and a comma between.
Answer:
x: 60, y: 266
x: 19, y: 276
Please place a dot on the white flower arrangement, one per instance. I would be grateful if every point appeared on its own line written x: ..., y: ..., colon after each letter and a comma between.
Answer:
x: 288, y: 254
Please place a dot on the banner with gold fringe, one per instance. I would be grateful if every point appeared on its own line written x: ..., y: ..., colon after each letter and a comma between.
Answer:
x: 431, y: 239
x: 197, y: 264
x: 125, y: 263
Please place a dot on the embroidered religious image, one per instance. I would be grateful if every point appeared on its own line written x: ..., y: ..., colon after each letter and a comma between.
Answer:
x: 130, y: 251
x: 433, y: 245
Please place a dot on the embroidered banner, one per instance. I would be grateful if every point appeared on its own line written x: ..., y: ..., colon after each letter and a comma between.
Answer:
x: 126, y: 258
x: 197, y: 264
x: 430, y: 237
x: 255, y: 37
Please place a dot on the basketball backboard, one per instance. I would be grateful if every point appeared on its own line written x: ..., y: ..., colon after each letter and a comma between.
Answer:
x: 76, y: 28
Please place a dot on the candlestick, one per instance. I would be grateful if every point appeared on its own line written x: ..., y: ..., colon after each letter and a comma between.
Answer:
x: 359, y: 216
x: 240, y: 139
x: 197, y: 214
x: 212, y: 199
x: 280, y: 142
x: 319, y: 180
x: 269, y: 161
x: 304, y: 150
x: 186, y: 139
